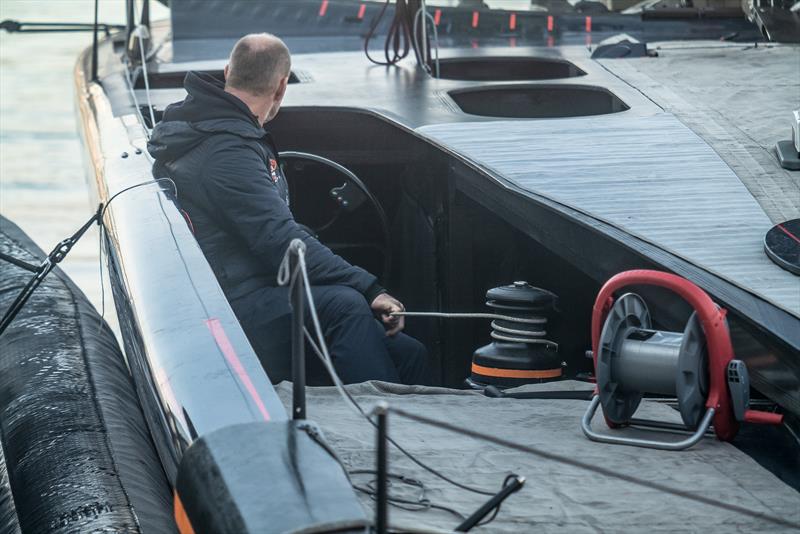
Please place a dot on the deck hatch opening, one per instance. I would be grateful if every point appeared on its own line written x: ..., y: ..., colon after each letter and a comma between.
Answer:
x: 538, y: 101
x: 504, y: 68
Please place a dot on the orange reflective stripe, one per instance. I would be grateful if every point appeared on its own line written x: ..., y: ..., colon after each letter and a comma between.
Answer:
x: 515, y: 373
x: 181, y: 519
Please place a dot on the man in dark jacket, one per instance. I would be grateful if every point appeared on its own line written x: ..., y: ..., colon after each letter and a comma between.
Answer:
x: 226, y: 168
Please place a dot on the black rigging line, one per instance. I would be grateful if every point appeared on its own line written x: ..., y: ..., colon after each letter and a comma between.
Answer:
x: 94, y: 41
x: 45, y: 267
x: 371, y: 32
x: 19, y: 263
x: 421, y: 504
x: 15, y: 26
x: 145, y: 19
x: 104, y: 231
x: 650, y: 484
x: 58, y: 254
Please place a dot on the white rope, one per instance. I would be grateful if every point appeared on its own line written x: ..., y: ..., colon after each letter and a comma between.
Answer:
x: 142, y: 33
x: 288, y: 277
x: 498, y: 331
x: 132, y: 91
x: 422, y: 12
x: 509, y: 318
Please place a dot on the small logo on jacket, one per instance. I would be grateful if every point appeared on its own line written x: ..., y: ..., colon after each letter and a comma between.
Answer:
x: 273, y: 170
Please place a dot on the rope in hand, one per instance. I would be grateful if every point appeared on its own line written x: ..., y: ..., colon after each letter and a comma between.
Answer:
x: 499, y: 332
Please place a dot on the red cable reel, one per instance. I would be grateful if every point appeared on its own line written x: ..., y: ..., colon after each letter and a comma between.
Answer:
x: 696, y: 366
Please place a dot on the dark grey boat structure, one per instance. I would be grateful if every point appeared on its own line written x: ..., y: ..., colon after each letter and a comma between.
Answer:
x: 524, y: 159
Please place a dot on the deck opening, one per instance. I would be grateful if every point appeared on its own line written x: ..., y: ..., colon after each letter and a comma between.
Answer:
x: 538, y: 101
x: 501, y: 69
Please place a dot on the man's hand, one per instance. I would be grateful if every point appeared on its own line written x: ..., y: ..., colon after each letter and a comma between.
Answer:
x: 384, y: 305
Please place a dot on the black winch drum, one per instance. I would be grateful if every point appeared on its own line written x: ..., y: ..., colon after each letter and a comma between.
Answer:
x: 519, y: 352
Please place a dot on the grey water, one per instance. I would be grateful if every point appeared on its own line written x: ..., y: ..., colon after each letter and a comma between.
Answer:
x: 43, y: 184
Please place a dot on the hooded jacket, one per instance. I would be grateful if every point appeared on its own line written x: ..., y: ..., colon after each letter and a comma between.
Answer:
x: 229, y: 181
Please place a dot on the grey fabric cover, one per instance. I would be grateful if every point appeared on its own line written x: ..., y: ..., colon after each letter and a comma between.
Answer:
x: 556, y: 498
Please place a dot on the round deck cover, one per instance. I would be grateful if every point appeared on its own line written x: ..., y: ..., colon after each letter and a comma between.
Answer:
x: 782, y: 244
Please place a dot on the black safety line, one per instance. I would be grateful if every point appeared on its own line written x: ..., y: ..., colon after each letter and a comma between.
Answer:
x: 650, y: 484
x: 58, y: 254
x: 48, y: 264
x: 19, y: 263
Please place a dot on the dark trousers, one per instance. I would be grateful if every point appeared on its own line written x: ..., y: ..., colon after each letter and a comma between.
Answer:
x: 357, y: 342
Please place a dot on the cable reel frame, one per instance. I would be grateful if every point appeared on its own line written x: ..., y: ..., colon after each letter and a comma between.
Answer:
x: 701, y: 375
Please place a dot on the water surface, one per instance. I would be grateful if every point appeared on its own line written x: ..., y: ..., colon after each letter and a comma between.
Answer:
x: 43, y: 185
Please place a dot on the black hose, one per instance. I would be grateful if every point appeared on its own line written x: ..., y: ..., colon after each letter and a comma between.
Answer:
x: 399, y: 39
x: 496, y: 393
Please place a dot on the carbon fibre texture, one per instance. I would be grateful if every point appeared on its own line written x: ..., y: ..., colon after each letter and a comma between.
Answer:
x: 77, y: 449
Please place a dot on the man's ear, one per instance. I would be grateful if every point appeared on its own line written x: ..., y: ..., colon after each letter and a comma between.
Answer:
x: 225, y: 72
x: 281, y: 91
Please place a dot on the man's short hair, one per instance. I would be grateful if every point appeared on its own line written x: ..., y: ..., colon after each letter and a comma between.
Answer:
x: 257, y: 63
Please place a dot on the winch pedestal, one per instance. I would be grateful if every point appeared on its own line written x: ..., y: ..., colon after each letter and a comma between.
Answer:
x: 519, y: 353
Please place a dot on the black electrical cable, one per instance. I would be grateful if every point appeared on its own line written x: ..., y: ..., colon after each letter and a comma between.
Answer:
x: 408, y: 505
x: 491, y: 518
x: 103, y: 232
x: 582, y: 394
x: 371, y: 32
x: 399, y: 39
x: 391, y: 440
x: 421, y: 504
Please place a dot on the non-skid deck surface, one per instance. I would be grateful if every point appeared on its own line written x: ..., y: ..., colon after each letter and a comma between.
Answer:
x: 737, y: 97
x: 556, y: 498
x: 648, y: 175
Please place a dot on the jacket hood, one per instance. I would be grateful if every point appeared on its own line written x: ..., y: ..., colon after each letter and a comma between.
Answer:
x: 207, y: 109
